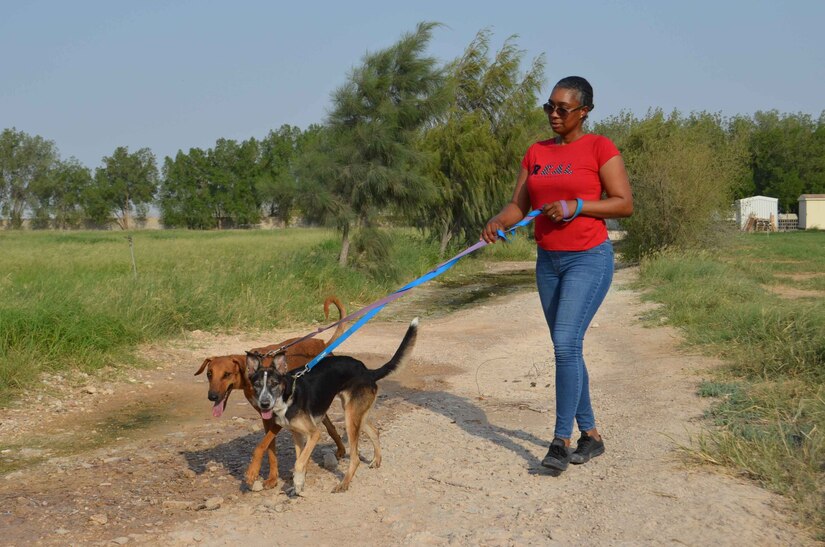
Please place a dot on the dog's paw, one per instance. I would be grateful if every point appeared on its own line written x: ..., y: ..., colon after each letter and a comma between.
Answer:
x: 250, y: 478
x: 298, y: 481
x: 341, y: 487
x: 271, y: 482
x: 341, y: 452
x: 375, y: 463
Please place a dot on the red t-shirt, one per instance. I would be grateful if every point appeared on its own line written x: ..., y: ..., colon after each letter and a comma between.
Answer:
x: 567, y: 171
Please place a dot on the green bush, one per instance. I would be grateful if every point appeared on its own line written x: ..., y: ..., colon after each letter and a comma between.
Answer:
x: 683, y: 173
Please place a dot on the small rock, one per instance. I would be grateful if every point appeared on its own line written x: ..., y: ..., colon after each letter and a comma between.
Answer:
x: 330, y: 462
x: 594, y: 325
x: 212, y: 503
x: 100, y: 518
x: 257, y: 486
x: 175, y: 504
x: 123, y: 540
x: 61, y: 531
x: 90, y: 389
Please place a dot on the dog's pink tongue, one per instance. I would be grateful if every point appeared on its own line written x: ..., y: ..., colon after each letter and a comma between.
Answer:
x: 217, y: 410
x: 266, y: 414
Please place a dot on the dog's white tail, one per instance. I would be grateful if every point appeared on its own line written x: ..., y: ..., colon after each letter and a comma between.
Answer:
x: 402, y: 354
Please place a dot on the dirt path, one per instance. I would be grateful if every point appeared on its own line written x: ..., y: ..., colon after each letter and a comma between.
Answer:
x: 140, y: 460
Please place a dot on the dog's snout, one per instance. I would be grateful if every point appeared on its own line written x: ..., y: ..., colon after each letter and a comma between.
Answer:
x: 266, y: 401
x: 213, y: 396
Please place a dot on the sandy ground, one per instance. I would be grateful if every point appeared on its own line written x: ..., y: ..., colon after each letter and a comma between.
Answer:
x: 138, y: 458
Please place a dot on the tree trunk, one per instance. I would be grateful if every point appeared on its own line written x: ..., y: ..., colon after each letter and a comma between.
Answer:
x: 16, y: 213
x: 342, y: 258
x: 126, y: 214
x: 446, y: 236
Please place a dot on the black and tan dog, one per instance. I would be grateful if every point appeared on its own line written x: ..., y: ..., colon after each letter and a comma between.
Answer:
x: 300, y: 402
x: 228, y: 372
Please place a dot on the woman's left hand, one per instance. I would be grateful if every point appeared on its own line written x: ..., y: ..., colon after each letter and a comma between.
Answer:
x: 555, y: 212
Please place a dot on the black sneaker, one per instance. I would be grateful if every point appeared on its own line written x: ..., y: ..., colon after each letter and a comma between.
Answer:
x: 587, y: 448
x: 557, y: 456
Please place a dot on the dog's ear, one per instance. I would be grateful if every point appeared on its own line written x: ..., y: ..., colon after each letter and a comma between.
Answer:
x: 203, y: 365
x: 253, y: 362
x: 280, y: 363
x: 240, y: 363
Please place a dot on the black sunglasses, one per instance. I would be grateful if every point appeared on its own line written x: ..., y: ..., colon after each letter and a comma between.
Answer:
x: 563, y: 112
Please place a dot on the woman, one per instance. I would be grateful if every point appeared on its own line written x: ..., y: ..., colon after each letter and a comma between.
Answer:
x: 577, y: 180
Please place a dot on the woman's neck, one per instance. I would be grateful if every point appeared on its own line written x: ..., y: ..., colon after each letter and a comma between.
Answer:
x: 572, y: 136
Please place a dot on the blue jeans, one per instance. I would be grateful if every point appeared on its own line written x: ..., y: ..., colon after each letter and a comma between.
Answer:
x: 572, y: 286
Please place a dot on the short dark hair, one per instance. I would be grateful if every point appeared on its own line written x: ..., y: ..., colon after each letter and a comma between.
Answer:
x: 577, y: 83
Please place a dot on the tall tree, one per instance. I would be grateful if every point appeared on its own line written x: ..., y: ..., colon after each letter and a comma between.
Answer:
x: 376, y: 116
x: 24, y: 161
x: 185, y: 196
x: 477, y: 143
x: 127, y: 182
x: 58, y: 199
x: 215, y: 188
x: 787, y: 156
x: 276, y: 184
x: 234, y: 170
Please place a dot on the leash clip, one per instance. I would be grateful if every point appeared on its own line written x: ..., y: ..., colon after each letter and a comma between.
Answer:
x: 274, y: 352
x: 298, y: 375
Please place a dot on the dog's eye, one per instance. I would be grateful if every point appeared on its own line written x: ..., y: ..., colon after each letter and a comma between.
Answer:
x: 226, y: 375
x: 209, y: 374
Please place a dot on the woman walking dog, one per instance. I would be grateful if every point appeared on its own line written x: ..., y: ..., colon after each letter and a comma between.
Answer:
x: 577, y: 179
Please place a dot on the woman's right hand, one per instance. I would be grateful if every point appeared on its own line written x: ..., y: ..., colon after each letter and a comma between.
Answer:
x: 490, y: 232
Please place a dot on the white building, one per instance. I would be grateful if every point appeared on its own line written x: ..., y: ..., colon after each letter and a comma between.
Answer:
x: 812, y: 211
x: 761, y: 207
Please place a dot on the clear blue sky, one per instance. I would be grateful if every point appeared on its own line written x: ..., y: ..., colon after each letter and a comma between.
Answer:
x: 172, y: 75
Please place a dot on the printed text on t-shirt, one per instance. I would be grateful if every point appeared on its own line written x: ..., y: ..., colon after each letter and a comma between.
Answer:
x: 551, y: 169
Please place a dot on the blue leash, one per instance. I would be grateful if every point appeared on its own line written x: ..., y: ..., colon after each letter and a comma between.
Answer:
x: 438, y: 270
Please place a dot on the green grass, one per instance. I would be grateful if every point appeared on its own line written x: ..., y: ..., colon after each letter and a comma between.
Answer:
x: 70, y: 300
x: 769, y: 414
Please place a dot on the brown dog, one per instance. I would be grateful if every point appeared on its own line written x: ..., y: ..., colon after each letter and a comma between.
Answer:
x: 228, y: 372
